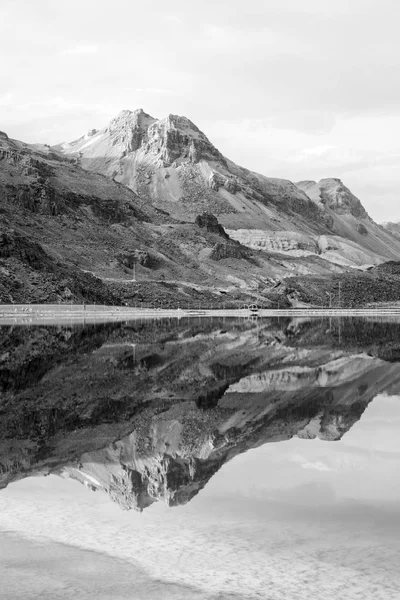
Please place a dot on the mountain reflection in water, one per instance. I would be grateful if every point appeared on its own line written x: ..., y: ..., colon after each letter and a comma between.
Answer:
x: 151, y: 411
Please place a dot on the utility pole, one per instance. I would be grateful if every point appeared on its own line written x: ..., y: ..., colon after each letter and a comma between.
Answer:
x: 134, y: 272
x: 340, y: 288
x: 330, y: 299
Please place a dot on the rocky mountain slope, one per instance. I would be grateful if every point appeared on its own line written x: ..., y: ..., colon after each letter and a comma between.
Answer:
x: 175, y: 167
x: 69, y: 234
x: 149, y: 412
x: 155, y: 201
x: 377, y: 286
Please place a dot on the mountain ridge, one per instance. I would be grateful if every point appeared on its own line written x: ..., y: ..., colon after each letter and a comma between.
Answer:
x: 154, y: 200
x: 176, y: 168
x: 62, y: 225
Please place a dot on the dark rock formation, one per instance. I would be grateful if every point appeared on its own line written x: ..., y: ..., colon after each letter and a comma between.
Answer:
x: 223, y: 250
x: 209, y: 222
x: 231, y: 185
x: 362, y: 229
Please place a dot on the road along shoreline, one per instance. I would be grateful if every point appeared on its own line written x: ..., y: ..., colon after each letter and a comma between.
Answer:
x: 78, y: 313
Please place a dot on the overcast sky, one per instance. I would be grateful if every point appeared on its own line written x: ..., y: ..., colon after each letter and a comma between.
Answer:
x: 297, y: 89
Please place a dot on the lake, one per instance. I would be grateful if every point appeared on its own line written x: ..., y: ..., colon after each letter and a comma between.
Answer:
x: 220, y: 458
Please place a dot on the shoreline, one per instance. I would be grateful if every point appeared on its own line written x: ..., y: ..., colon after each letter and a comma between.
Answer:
x: 91, y: 314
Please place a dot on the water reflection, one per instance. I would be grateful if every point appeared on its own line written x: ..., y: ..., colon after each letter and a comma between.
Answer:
x: 152, y: 411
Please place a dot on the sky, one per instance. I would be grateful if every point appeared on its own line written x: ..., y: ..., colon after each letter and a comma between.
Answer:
x: 300, y: 90
x: 291, y: 520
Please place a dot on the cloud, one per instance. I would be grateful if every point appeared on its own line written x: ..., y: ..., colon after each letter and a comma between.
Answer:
x: 158, y: 91
x: 261, y: 44
x: 317, y: 466
x: 314, y: 465
x: 173, y: 19
x: 55, y: 102
x: 6, y: 99
x: 338, y: 461
x: 316, y: 151
x: 55, y: 105
x: 81, y: 49
x: 334, y: 158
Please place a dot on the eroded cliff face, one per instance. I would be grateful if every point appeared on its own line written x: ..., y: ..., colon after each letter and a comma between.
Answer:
x: 150, y: 413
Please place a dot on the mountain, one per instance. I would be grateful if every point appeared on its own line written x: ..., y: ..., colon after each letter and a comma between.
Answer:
x: 148, y: 212
x: 148, y: 412
x: 70, y: 234
x: 173, y: 165
x: 394, y: 228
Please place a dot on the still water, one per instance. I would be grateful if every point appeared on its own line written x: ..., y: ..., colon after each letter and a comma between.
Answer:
x: 212, y: 459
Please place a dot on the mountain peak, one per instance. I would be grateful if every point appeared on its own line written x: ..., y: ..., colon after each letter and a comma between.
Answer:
x: 327, y: 180
x: 130, y: 119
x: 176, y: 139
x: 173, y: 139
x: 333, y: 194
x: 183, y: 123
x: 338, y: 197
x: 127, y: 115
x: 128, y: 129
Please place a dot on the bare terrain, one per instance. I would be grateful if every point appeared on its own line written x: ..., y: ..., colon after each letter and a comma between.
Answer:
x: 147, y: 212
